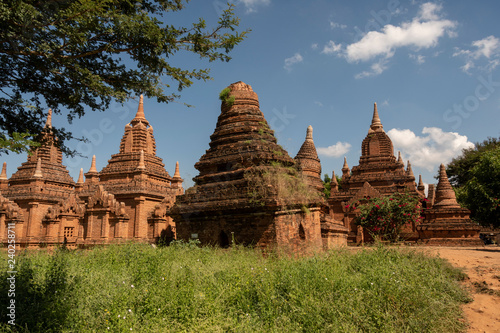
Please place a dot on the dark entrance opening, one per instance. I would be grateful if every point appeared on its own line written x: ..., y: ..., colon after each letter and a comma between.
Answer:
x: 223, y: 239
x: 302, y: 233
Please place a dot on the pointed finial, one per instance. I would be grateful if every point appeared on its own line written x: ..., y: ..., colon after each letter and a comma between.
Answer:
x: 38, y: 170
x: 177, y: 173
x: 400, y: 159
x: 140, y: 110
x: 345, y: 164
x: 141, y: 165
x: 48, y: 122
x: 334, y: 185
x: 92, y: 166
x: 3, y: 175
x: 376, y: 123
x: 420, y: 182
x: 80, y: 177
x: 309, y: 135
x: 409, y: 171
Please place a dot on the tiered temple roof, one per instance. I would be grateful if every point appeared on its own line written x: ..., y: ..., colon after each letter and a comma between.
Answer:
x: 43, y: 168
x: 137, y: 156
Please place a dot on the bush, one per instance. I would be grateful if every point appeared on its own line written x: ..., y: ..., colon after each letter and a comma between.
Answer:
x: 385, y: 217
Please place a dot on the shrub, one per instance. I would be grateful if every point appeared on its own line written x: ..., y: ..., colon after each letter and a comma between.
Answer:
x: 385, y: 217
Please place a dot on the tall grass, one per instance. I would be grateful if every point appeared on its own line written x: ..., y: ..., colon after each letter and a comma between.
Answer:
x: 183, y: 288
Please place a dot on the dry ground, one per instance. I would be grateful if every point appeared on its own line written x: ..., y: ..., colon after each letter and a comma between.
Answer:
x: 482, y: 265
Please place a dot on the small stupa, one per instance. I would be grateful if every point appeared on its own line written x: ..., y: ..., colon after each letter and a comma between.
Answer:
x: 446, y: 222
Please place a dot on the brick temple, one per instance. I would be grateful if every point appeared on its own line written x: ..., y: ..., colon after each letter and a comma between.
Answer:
x: 127, y: 199
x: 248, y: 191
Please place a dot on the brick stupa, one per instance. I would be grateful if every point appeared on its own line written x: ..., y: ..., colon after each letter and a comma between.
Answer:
x: 378, y: 174
x: 446, y: 222
x: 243, y: 191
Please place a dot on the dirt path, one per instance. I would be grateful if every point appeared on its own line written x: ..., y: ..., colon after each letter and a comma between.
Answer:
x: 482, y: 265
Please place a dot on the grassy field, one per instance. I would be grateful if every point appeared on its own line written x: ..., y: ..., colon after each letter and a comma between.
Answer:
x: 184, y: 288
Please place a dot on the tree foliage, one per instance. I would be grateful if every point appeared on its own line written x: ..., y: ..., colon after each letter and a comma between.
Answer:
x: 458, y: 170
x: 481, y: 192
x: 78, y: 55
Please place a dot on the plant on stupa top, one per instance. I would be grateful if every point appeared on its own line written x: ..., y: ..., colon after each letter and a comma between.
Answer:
x: 385, y: 217
x: 226, y: 97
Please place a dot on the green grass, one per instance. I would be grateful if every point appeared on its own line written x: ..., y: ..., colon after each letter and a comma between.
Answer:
x: 184, y: 288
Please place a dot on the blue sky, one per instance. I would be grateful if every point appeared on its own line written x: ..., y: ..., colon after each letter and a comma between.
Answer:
x: 432, y: 67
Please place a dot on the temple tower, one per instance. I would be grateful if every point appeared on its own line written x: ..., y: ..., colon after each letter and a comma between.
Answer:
x: 137, y: 177
x: 247, y: 189
x: 379, y: 173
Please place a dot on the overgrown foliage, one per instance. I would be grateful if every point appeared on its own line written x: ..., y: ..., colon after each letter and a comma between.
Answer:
x: 81, y: 55
x: 385, y: 217
x: 281, y: 184
x: 481, y: 192
x: 226, y: 97
x: 183, y: 288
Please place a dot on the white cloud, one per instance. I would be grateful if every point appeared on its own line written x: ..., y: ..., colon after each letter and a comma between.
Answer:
x: 332, y: 48
x: 431, y: 149
x: 488, y: 48
x: 314, y: 46
x: 292, y: 60
x: 422, y: 32
x: 318, y: 103
x: 336, y: 150
x: 419, y: 59
x: 334, y: 25
x: 251, y: 5
x: 376, y: 69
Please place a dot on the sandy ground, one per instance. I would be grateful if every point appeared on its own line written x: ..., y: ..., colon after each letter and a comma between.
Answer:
x: 482, y: 265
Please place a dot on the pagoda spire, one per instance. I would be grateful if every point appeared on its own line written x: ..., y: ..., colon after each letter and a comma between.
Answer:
x: 309, y: 135
x: 92, y: 166
x: 345, y: 169
x: 420, y: 186
x: 409, y: 171
x: 400, y: 159
x: 376, y: 123
x: 3, y: 175
x: 48, y: 122
x: 345, y: 166
x: 334, y: 185
x: 80, y: 177
x: 177, y: 173
x: 38, y: 170
x: 140, y: 116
